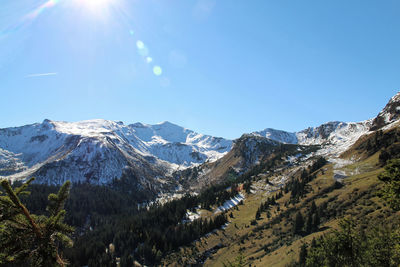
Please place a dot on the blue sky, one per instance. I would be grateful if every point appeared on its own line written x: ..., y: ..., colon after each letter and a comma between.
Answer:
x: 223, y: 67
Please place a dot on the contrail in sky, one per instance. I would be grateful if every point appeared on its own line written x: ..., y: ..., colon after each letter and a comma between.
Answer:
x: 41, y: 74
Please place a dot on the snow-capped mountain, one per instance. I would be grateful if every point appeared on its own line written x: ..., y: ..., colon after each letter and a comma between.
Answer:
x: 389, y: 114
x: 178, y: 145
x: 337, y: 135
x: 278, y: 135
x: 100, y: 151
x: 330, y: 140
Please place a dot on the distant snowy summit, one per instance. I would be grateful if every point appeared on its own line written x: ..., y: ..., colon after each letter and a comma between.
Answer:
x: 100, y: 150
x: 178, y: 145
x: 278, y: 135
x: 337, y: 136
x: 328, y: 133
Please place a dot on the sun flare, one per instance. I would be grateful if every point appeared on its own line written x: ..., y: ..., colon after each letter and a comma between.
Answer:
x: 98, y: 7
x: 95, y: 4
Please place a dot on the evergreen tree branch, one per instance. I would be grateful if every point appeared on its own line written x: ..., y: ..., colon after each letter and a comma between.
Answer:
x: 5, y: 184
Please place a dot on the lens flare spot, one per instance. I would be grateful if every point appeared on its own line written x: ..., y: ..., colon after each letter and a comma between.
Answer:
x: 149, y: 59
x: 131, y: 32
x: 142, y: 49
x: 139, y: 44
x: 157, y: 70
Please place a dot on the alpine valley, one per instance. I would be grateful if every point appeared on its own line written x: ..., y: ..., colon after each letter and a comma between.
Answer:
x: 165, y: 195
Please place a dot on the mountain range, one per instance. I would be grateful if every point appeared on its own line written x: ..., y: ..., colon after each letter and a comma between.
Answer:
x: 101, y: 151
x: 262, y: 199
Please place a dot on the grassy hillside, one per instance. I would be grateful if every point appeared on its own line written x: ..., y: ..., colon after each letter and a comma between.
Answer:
x: 339, y: 189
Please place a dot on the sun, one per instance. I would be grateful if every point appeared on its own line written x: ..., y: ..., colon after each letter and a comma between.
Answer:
x: 97, y: 7
x: 96, y: 4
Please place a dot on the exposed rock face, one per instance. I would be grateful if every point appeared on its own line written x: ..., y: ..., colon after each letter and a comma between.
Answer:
x: 389, y: 114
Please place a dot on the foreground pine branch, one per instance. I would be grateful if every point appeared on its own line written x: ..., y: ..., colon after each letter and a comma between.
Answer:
x: 26, y: 238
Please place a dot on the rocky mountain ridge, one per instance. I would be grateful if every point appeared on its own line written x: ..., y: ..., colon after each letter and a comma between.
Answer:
x: 100, y: 151
x: 328, y: 133
x: 329, y: 140
x: 336, y: 131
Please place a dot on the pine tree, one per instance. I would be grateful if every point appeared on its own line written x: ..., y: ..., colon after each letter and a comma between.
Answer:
x: 272, y: 201
x: 391, y: 178
x: 315, y: 222
x: 268, y: 214
x: 309, y: 223
x: 313, y: 207
x: 258, y: 214
x: 26, y: 238
x: 298, y: 223
x: 303, y: 255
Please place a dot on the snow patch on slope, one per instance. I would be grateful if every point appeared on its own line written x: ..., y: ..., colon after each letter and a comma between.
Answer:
x: 230, y: 203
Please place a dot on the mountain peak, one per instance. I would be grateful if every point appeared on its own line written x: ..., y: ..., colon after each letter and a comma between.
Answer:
x: 138, y: 125
x: 395, y: 98
x: 166, y: 123
x: 277, y: 135
x: 47, y: 124
x: 389, y: 114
